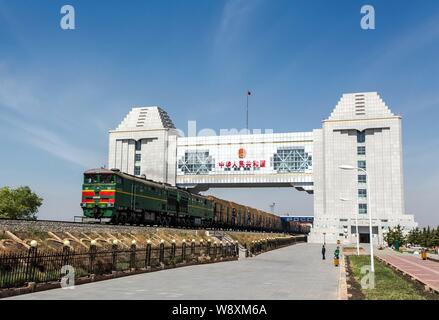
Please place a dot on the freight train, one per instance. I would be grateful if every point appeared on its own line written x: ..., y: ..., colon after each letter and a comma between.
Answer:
x: 120, y: 198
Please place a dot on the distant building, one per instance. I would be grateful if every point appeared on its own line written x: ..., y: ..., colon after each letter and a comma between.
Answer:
x: 360, y: 132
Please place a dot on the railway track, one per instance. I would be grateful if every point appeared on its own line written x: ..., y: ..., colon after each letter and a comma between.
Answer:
x: 54, y: 225
x: 73, y: 225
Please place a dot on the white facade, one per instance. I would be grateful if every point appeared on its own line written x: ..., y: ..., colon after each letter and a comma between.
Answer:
x: 154, y: 134
x: 252, y: 160
x: 360, y: 131
x: 340, y: 142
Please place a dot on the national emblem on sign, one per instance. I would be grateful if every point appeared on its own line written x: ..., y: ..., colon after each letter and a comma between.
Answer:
x: 242, y: 153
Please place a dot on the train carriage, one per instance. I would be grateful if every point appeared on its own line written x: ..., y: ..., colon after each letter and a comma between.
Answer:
x: 120, y: 198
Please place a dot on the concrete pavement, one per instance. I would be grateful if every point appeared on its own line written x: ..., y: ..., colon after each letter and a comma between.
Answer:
x: 294, y: 272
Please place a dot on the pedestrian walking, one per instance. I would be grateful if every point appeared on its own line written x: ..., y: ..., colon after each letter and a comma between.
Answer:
x: 323, y: 252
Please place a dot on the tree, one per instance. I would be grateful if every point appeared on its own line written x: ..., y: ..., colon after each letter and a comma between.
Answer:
x: 394, y: 235
x: 435, y: 237
x: 19, y: 203
x: 414, y: 237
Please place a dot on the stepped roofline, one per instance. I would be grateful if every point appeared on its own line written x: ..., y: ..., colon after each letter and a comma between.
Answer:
x: 151, y: 118
x: 360, y: 106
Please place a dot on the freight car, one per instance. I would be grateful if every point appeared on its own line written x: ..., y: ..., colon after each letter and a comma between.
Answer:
x: 120, y: 198
x: 229, y: 214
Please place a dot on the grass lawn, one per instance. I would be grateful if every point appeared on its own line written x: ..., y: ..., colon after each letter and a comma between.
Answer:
x: 389, y: 284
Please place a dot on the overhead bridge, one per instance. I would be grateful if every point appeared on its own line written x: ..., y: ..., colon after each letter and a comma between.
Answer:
x: 239, y: 161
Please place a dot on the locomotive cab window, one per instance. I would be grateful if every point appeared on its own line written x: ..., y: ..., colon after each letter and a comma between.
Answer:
x: 91, y: 178
x: 107, y: 178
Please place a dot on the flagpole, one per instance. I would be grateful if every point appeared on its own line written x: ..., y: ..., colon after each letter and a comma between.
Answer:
x: 247, y: 113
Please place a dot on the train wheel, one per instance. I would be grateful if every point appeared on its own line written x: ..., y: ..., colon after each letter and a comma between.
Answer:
x: 115, y: 219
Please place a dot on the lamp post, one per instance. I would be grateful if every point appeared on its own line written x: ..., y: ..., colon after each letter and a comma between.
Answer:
x: 272, y: 207
x: 356, y: 228
x: 347, y: 167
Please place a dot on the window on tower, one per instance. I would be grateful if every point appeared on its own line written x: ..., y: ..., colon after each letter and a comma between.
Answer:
x: 362, y: 208
x: 361, y: 151
x: 362, y: 193
x: 361, y: 136
x: 138, y: 145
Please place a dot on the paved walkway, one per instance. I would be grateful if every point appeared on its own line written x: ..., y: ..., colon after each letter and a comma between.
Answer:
x: 425, y: 271
x: 294, y: 272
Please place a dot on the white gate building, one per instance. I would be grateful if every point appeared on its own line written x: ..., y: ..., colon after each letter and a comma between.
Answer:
x: 360, y: 132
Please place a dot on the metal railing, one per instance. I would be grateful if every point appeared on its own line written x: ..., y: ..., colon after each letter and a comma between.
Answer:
x: 39, y: 266
x: 264, y: 245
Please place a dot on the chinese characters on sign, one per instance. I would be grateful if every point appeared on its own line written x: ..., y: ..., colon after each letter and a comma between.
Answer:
x: 255, y: 164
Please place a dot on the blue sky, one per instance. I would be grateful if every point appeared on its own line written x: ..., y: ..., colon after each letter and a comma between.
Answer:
x: 60, y: 91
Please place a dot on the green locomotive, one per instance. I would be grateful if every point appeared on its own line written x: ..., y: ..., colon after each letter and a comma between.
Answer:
x: 110, y: 195
x: 120, y: 198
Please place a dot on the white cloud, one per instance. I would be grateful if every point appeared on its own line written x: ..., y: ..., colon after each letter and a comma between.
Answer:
x: 235, y: 16
x: 14, y: 94
x: 26, y: 114
x: 402, y: 46
x: 52, y: 143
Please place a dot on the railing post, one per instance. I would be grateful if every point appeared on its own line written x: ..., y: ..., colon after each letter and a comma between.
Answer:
x: 173, y: 249
x: 236, y: 248
x: 201, y: 247
x: 65, y: 253
x: 208, y: 247
x: 92, y: 252
x: 193, y: 248
x: 114, y: 255
x: 133, y: 255
x: 31, y: 261
x: 183, y: 251
x: 214, y: 250
x: 148, y: 254
x: 162, y: 252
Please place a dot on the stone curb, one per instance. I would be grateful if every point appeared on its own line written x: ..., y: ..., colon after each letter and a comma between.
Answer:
x: 342, y: 284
